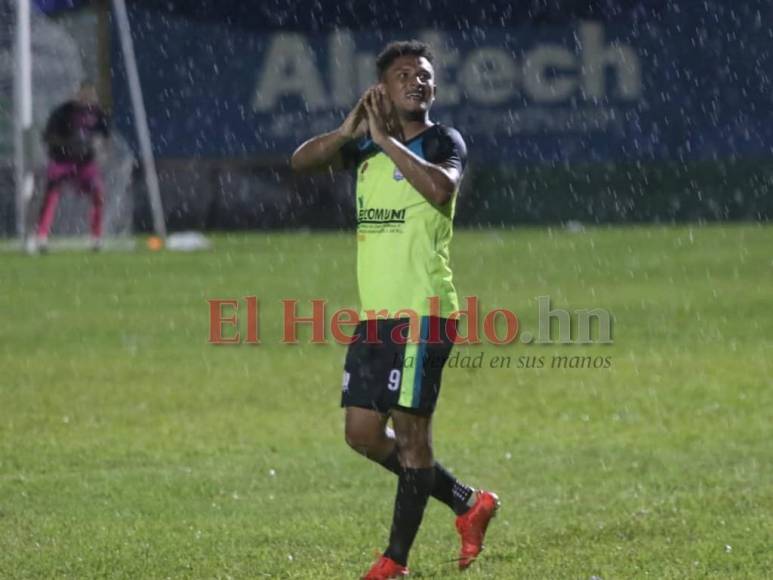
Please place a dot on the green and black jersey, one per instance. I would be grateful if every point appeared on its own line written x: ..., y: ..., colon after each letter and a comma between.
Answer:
x: 402, y: 239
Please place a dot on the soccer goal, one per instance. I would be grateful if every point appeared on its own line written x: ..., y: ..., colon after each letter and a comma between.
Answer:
x: 42, y: 65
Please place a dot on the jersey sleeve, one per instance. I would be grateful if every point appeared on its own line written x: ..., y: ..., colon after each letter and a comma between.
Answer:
x: 447, y: 148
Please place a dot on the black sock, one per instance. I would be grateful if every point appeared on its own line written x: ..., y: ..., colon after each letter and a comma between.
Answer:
x: 451, y: 491
x: 413, y: 489
x: 447, y: 488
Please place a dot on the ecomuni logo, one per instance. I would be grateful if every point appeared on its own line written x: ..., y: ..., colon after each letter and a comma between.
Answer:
x: 380, y: 215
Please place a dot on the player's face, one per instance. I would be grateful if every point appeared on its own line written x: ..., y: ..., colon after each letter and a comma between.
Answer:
x: 410, y: 84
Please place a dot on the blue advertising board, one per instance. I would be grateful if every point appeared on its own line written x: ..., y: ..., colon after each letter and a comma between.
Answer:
x: 677, y: 86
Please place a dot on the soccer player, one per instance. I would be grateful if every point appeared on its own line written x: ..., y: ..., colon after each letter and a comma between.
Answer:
x: 71, y: 136
x: 408, y: 173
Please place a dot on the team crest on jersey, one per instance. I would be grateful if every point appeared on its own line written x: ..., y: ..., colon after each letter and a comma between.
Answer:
x: 397, y: 175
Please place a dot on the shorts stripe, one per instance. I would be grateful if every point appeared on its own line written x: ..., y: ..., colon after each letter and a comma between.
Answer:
x: 421, y: 351
x: 410, y: 384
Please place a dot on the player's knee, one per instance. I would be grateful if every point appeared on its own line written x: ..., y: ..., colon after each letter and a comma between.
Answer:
x: 362, y: 440
x: 413, y: 440
x: 415, y: 452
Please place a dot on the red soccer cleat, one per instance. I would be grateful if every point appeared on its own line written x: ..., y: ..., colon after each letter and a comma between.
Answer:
x: 472, y: 526
x: 384, y: 569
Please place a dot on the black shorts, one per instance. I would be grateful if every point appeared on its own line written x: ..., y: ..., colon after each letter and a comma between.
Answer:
x: 385, y: 371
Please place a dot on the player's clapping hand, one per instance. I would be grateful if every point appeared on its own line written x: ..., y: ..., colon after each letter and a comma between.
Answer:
x: 356, y: 123
x: 393, y: 125
x: 376, y: 103
x: 385, y: 122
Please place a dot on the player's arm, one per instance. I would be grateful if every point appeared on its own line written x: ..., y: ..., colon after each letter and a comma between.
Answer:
x: 321, y: 152
x: 436, y: 182
x: 324, y: 151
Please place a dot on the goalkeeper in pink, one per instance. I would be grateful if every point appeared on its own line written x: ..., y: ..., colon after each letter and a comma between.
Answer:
x: 71, y: 136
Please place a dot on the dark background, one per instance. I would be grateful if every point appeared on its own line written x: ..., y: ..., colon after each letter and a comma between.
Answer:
x: 696, y: 146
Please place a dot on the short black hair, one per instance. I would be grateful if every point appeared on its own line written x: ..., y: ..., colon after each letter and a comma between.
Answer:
x: 394, y: 50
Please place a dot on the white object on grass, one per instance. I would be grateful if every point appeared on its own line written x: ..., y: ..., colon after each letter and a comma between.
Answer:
x: 187, y: 242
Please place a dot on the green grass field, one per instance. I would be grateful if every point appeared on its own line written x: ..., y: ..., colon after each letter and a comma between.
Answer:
x: 131, y: 448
